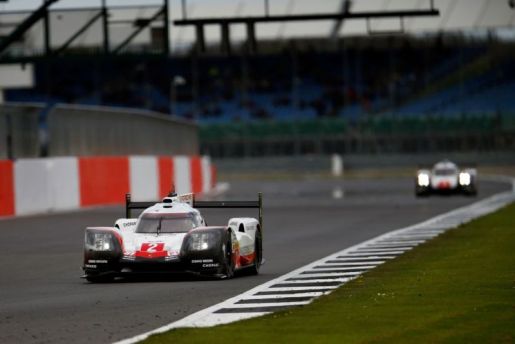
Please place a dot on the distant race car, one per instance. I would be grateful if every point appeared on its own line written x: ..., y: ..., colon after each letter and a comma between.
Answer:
x: 172, y: 236
x: 445, y: 177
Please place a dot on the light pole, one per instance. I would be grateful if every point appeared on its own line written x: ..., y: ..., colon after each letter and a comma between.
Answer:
x: 176, y: 82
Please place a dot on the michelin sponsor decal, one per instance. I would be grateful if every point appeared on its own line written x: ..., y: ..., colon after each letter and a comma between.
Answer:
x: 199, y: 261
x: 206, y: 263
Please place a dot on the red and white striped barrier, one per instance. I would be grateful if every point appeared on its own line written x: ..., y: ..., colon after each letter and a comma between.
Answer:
x: 33, y: 186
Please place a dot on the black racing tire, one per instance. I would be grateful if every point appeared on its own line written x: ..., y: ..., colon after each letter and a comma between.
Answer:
x: 469, y: 190
x: 419, y: 194
x: 471, y: 193
x: 420, y: 191
x: 258, y: 247
x: 228, y: 263
x: 100, y: 278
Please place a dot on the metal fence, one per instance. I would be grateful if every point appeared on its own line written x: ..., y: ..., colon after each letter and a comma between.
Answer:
x: 32, y: 130
x: 19, y: 130
x: 381, y: 135
x: 273, y: 166
x: 359, y: 144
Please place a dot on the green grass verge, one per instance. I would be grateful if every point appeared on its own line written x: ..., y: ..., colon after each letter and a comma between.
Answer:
x: 457, y: 288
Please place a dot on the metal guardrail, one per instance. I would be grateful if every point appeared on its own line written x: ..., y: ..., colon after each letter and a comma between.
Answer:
x: 34, y: 130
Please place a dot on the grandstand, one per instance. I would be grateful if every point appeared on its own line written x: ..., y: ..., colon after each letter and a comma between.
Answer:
x: 402, y: 83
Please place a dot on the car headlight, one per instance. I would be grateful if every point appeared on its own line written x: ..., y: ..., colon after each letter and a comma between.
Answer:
x: 464, y: 178
x: 201, y: 241
x: 423, y: 179
x: 99, y: 241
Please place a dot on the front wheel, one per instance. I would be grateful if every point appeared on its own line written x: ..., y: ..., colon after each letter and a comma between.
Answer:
x: 420, y: 192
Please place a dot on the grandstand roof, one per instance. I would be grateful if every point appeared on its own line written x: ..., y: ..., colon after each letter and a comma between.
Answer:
x: 454, y: 15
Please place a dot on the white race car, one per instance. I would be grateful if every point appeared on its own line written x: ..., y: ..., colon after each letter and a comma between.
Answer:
x: 172, y: 236
x: 446, y: 177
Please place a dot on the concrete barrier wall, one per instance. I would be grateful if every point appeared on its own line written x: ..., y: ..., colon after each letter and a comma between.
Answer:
x: 196, y: 174
x: 6, y: 188
x: 31, y: 186
x: 64, y: 183
x: 214, y: 176
x: 34, y: 186
x: 206, y: 174
x: 182, y: 174
x: 103, y: 180
x: 3, y: 136
x: 32, y: 130
x: 92, y: 130
x: 166, y: 175
x: 19, y: 127
x: 144, y: 176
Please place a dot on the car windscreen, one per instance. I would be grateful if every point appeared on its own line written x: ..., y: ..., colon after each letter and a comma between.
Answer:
x: 445, y: 172
x: 176, y: 224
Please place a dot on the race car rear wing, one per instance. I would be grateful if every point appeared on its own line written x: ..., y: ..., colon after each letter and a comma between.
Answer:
x: 129, y: 205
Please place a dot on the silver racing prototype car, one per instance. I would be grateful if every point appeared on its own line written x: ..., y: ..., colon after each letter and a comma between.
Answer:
x: 446, y: 177
x: 173, y: 236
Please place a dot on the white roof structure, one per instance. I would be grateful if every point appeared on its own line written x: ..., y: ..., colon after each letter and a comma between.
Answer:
x: 455, y: 15
x: 470, y: 15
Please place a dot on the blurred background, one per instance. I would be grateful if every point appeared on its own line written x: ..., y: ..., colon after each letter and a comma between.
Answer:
x: 261, y: 86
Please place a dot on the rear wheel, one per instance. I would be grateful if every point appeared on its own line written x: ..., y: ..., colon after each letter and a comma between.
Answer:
x: 258, y: 248
x: 228, y: 263
x: 471, y: 192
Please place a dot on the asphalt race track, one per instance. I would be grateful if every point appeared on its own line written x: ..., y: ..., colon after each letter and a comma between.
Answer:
x: 43, y: 300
